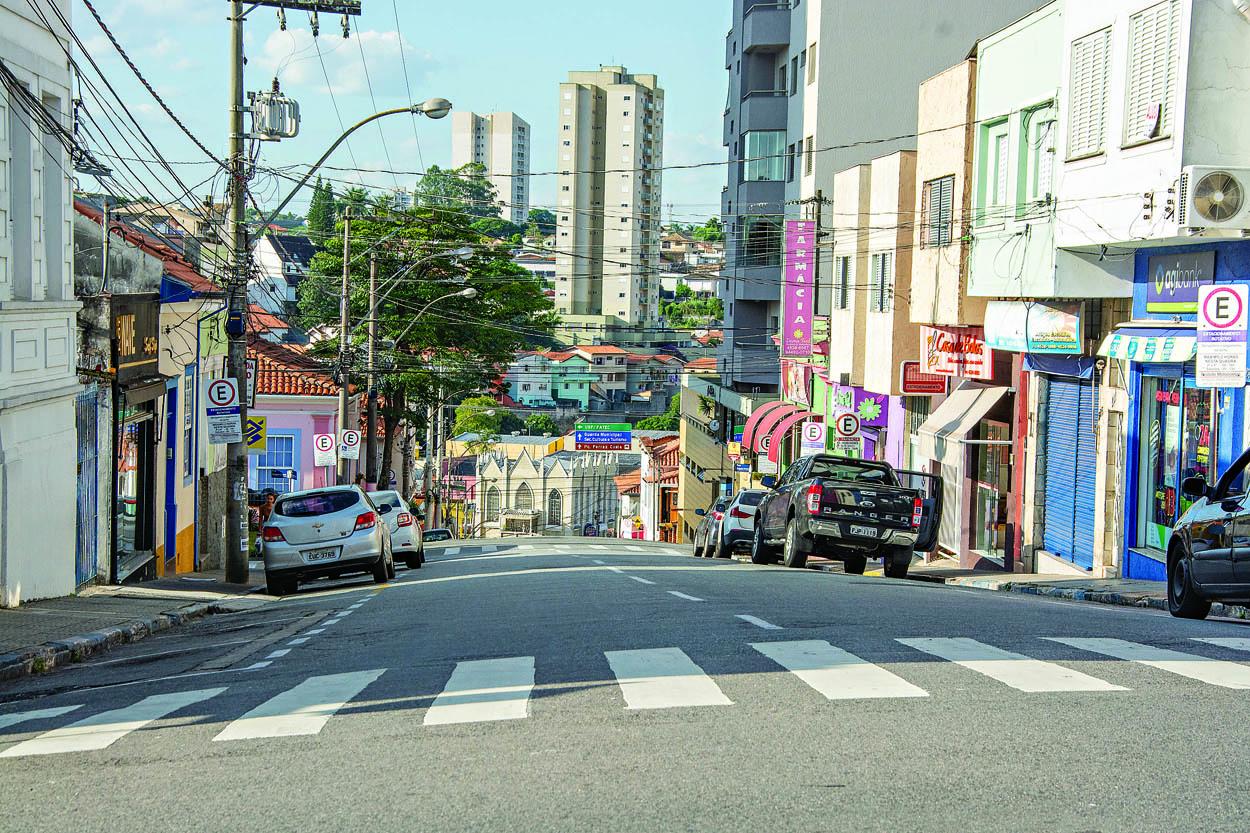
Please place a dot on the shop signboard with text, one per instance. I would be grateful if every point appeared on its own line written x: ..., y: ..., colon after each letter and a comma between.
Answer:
x: 796, y: 383
x: 1034, y: 327
x: 915, y: 382
x: 1174, y: 280
x: 872, y: 409
x: 135, y: 338
x: 799, y: 298
x: 957, y: 351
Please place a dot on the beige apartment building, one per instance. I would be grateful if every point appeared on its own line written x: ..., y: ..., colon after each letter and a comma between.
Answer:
x: 500, y: 142
x: 610, y: 150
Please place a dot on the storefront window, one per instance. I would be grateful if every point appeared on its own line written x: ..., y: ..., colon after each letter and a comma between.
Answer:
x: 1178, y: 431
x: 134, y: 441
x: 993, y: 473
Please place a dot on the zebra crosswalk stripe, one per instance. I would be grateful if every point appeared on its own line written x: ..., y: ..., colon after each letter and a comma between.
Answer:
x: 1016, y: 670
x: 1216, y: 672
x: 1236, y: 643
x: 7, y: 720
x: 663, y: 678
x: 103, y: 729
x: 484, y: 690
x: 302, y: 710
x: 835, y: 673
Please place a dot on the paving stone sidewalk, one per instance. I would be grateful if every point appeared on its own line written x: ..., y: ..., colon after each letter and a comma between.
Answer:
x: 42, y: 635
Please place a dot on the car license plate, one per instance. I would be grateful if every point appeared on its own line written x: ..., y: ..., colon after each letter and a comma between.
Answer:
x: 865, y: 531
x: 328, y: 554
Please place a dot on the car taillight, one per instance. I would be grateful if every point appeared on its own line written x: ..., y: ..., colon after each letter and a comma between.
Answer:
x: 814, y: 494
x: 917, y: 511
x: 404, y: 519
x: 737, y: 512
x: 716, y: 516
x: 271, y: 533
x: 366, y: 520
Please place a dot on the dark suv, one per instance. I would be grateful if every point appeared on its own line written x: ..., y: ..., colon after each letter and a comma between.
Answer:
x: 1209, y: 554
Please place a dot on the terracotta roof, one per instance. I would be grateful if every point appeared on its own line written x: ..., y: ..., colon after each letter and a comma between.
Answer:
x: 629, y: 483
x: 283, y: 371
x: 705, y: 363
x: 597, y: 348
x: 175, y: 266
x: 260, y: 319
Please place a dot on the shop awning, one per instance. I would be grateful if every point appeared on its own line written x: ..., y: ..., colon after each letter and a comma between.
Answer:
x: 785, y: 427
x: 1171, y: 345
x: 942, y: 435
x: 753, y: 421
x: 146, y: 389
x: 770, y: 421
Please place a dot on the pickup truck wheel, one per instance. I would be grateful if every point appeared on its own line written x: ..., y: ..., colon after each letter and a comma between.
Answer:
x: 796, y: 549
x: 760, y: 553
x: 895, y: 561
x: 854, y: 564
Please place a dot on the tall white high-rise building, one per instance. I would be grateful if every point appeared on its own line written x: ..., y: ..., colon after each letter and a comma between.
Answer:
x: 609, y: 155
x: 500, y: 142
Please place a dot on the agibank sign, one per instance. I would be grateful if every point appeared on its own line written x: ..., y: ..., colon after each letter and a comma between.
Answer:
x: 1174, y: 280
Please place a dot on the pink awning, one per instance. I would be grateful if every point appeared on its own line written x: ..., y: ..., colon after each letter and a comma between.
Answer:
x: 753, y: 421
x: 768, y: 423
x: 785, y: 427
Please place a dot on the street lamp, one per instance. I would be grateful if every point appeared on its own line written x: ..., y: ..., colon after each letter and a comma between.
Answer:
x: 467, y: 292
x: 435, y: 108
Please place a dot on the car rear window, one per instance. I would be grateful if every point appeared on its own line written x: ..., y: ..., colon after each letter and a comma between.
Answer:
x: 750, y: 498
x: 305, y: 506
x: 864, y: 472
x: 437, y: 535
x: 379, y: 498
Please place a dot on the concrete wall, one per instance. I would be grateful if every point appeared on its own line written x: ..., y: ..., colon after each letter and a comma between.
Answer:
x: 890, y: 337
x: 852, y: 192
x: 301, y: 417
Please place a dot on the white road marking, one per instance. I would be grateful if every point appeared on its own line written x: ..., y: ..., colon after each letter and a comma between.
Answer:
x: 300, y: 640
x: 684, y: 596
x: 1016, y: 670
x: 7, y: 720
x: 281, y: 652
x: 597, y: 561
x: 101, y: 730
x: 256, y: 666
x: 598, y: 548
x: 353, y: 607
x: 302, y: 710
x: 486, y: 550
x: 636, y: 549
x: 483, y: 690
x: 835, y: 673
x: 641, y: 580
x: 1213, y: 671
x: 452, y: 551
x: 759, y: 623
x: 314, y: 631
x: 327, y: 623
x: 616, y: 569
x: 1237, y: 643
x: 663, y: 678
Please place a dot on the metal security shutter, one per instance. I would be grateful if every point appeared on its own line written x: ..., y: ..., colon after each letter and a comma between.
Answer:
x: 1071, y: 460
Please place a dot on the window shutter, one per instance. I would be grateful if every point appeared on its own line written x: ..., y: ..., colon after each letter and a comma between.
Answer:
x: 1000, y: 169
x: 1045, y: 159
x: 887, y: 281
x: 1151, y: 70
x: 926, y: 223
x: 874, y: 284
x: 1088, y: 93
x: 809, y: 157
x: 946, y: 209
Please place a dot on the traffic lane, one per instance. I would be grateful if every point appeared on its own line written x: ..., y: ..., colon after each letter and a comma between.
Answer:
x: 780, y: 757
x: 805, y: 599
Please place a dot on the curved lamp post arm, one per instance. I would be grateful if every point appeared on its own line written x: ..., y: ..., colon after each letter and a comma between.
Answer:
x: 464, y: 293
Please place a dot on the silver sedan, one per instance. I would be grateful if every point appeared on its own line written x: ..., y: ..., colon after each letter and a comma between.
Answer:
x: 324, y: 532
x: 404, y: 525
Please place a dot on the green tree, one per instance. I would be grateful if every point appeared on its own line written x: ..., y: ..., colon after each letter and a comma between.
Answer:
x: 479, y: 415
x: 511, y: 424
x: 544, y: 219
x: 497, y: 228
x: 465, y: 189
x: 539, y: 424
x: 710, y: 232
x: 358, y: 198
x: 670, y: 420
x: 321, y: 209
x: 682, y: 292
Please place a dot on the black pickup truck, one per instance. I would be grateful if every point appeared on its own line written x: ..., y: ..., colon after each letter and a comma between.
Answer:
x: 848, y: 510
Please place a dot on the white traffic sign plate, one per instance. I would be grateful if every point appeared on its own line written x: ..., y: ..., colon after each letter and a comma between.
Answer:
x: 223, y: 393
x: 847, y: 426
x: 1222, y: 316
x: 813, y: 437
x: 349, y: 444
x: 221, y: 408
x: 324, y: 446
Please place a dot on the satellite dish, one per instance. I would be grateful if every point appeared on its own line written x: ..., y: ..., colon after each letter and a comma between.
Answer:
x: 714, y: 425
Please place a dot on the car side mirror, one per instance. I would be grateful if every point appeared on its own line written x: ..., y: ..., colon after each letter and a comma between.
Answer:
x: 1195, y: 487
x: 768, y: 481
x: 700, y: 512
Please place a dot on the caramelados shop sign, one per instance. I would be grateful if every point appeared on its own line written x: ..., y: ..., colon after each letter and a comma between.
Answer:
x: 1173, y: 281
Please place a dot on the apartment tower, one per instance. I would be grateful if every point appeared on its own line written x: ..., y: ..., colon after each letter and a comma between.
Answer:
x: 500, y: 142
x: 609, y: 154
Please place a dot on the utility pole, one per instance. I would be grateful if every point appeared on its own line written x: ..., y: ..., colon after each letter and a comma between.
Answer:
x: 371, y: 393
x: 344, y: 334
x: 236, y: 315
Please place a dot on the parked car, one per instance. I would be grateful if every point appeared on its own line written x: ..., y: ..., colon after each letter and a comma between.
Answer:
x: 707, y: 530
x: 437, y: 535
x: 737, y: 526
x: 1208, y: 556
x: 848, y: 510
x: 407, y: 540
x: 324, y: 532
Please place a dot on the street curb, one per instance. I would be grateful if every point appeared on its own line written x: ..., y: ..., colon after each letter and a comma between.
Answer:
x: 50, y: 655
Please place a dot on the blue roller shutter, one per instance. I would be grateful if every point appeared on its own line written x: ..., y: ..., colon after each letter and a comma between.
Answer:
x: 1071, y: 463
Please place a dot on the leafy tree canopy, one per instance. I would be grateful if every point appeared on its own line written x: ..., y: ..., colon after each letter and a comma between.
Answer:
x: 465, y: 188
x: 670, y: 420
x: 539, y: 424
x: 710, y: 232
x: 544, y: 219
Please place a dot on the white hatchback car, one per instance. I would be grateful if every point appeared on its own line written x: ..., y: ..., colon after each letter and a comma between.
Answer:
x: 406, y: 538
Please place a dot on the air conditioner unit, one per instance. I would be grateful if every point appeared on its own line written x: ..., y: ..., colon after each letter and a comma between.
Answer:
x: 1214, y: 198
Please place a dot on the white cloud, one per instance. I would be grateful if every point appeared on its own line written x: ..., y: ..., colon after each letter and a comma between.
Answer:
x: 292, y: 56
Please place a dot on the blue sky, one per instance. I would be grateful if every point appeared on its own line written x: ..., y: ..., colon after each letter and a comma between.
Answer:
x: 484, y: 55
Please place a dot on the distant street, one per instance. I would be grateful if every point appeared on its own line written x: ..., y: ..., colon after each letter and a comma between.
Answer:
x: 562, y: 684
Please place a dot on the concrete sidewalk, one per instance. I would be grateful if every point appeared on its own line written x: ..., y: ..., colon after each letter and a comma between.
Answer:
x: 1113, y: 591
x: 42, y: 635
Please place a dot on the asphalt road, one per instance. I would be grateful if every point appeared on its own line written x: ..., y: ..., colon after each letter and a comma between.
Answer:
x: 568, y: 685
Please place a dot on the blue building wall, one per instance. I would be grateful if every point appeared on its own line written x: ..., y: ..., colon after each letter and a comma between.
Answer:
x: 1232, y: 265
